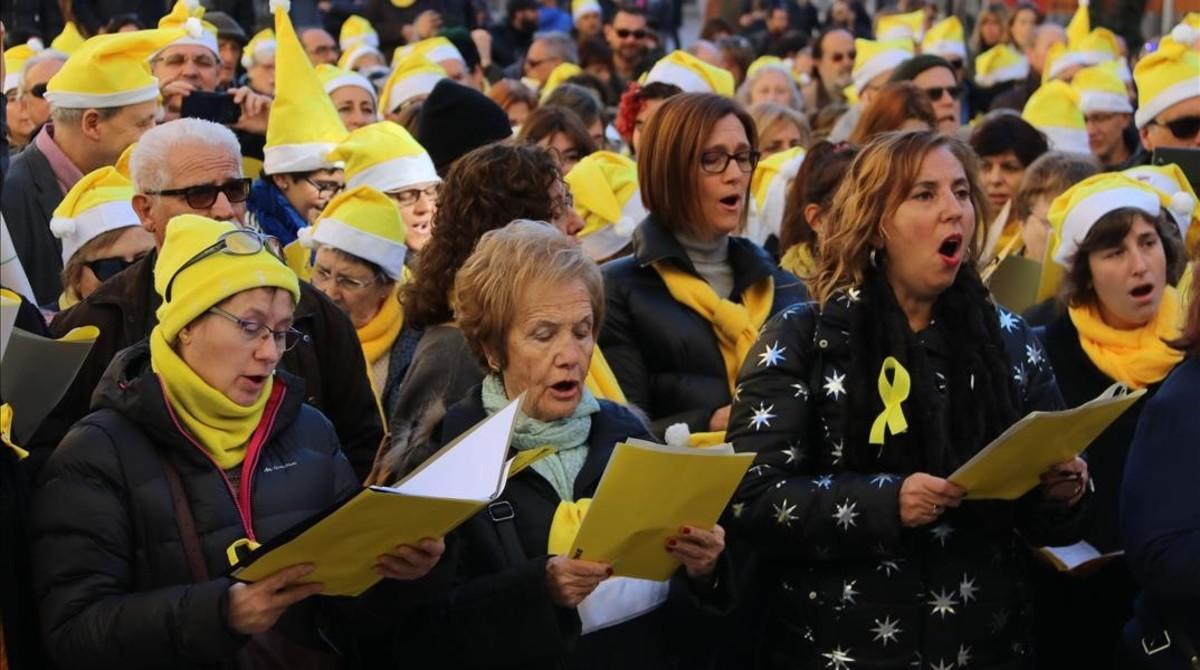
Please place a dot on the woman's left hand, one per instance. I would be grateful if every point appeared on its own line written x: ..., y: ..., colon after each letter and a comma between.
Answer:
x: 698, y: 549
x: 408, y: 562
x: 1065, y: 482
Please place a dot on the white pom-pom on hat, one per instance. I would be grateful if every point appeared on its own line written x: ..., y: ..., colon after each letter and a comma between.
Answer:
x: 1184, y: 34
x: 192, y: 5
x: 305, y: 237
x: 62, y: 227
x: 1183, y: 203
x: 285, y: 5
x: 193, y: 27
x: 1084, y: 3
x: 678, y: 435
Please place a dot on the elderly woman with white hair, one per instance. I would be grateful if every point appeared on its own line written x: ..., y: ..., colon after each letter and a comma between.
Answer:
x: 769, y: 80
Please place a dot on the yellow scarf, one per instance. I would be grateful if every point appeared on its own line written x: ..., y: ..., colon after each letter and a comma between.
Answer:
x: 735, y: 325
x: 799, y: 261
x: 378, y: 335
x: 568, y: 517
x: 601, y: 381
x: 1136, y: 358
x: 220, y: 425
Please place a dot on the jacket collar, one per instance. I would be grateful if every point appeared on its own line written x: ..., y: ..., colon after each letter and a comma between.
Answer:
x: 653, y: 242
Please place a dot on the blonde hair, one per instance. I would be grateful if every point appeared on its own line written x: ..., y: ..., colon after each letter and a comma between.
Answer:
x: 767, y: 114
x: 877, y: 183
x: 508, y: 262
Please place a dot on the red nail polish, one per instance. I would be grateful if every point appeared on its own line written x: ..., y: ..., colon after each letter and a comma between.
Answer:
x: 610, y: 572
x: 671, y: 543
x: 687, y: 531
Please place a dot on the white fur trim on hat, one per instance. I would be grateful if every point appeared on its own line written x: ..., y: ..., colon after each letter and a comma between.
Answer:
x: 1177, y: 92
x: 72, y: 100
x: 11, y: 80
x: 684, y: 78
x: 360, y: 51
x: 1014, y: 72
x: 421, y: 83
x: 445, y: 52
x: 285, y: 5
x: 351, y: 79
x: 888, y: 60
x: 1067, y: 60
x: 78, y: 231
x: 1104, y: 101
x: 385, y: 253
x: 1088, y: 211
x: 396, y: 174
x: 1071, y: 140
x: 585, y: 8
x: 947, y: 48
x: 204, y: 39
x: 607, y: 241
x: 298, y: 158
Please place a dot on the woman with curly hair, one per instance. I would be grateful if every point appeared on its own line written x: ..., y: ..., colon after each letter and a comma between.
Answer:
x: 638, y: 104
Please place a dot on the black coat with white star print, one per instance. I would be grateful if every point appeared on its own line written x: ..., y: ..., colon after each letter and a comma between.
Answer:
x: 857, y: 589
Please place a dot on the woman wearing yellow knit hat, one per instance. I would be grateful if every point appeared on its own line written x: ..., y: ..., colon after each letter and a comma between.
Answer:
x: 198, y: 445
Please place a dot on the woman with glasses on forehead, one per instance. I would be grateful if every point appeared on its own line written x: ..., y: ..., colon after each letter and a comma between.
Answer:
x: 197, y: 444
x: 684, y: 308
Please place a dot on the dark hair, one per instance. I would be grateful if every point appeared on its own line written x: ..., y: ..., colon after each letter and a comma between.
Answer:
x: 583, y: 101
x: 515, y: 6
x: 1189, y: 341
x: 374, y: 268
x: 1108, y: 232
x: 1002, y: 132
x: 546, y: 121
x: 462, y: 41
x: 820, y: 174
x: 714, y: 27
x: 410, y: 117
x: 791, y: 42
x: 819, y: 44
x: 896, y: 103
x: 120, y: 21
x: 1049, y: 176
x: 741, y: 52
x: 623, y: 8
x: 510, y: 91
x: 595, y: 51
x: 484, y: 190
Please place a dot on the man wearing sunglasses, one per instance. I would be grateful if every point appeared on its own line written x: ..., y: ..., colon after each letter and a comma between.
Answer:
x: 193, y: 166
x: 31, y: 90
x: 936, y: 76
x: 833, y: 65
x: 1168, y: 114
x: 627, y: 38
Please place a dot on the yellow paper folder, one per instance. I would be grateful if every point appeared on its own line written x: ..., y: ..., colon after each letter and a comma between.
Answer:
x: 647, y: 493
x: 1011, y: 465
x: 343, y: 544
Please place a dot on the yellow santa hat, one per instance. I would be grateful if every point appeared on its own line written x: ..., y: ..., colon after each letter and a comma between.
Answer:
x: 1080, y: 24
x: 362, y: 222
x: 607, y: 197
x: 1173, y: 184
x: 69, y: 39
x: 304, y: 125
x: 261, y: 45
x: 1101, y: 90
x: 1054, y: 110
x: 349, y: 57
x: 14, y: 60
x: 581, y: 8
x: 999, y: 64
x: 558, y: 76
x: 1167, y: 76
x: 355, y: 31
x: 385, y: 157
x: 415, y: 75
x: 1098, y: 46
x: 179, y: 17
x: 333, y: 77
x: 436, y: 49
x: 770, y: 186
x: 111, y: 70
x: 873, y: 58
x: 910, y: 25
x: 1076, y: 210
x: 945, y: 39
x: 691, y: 74
x: 96, y: 204
x: 765, y: 62
x: 123, y: 162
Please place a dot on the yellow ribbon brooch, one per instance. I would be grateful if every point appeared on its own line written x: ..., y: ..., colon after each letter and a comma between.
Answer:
x: 892, y: 394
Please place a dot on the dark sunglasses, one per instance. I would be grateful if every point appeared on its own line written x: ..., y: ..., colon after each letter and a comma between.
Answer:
x: 955, y: 63
x: 935, y: 93
x: 839, y: 57
x: 38, y: 90
x: 234, y: 243
x: 202, y: 196
x: 625, y: 33
x: 1183, y: 128
x: 107, y: 268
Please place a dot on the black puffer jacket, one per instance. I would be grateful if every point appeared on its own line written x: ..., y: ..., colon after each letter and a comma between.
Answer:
x: 856, y: 589
x: 110, y: 573
x: 665, y: 355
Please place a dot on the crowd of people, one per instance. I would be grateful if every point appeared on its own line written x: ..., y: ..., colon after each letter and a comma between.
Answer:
x: 312, y: 261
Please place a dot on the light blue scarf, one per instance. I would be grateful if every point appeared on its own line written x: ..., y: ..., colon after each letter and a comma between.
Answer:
x: 568, y: 436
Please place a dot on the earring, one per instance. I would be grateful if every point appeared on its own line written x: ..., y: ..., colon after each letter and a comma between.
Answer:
x: 871, y: 258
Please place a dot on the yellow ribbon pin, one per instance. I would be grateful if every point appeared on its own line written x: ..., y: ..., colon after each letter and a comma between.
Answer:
x: 892, y: 394
x: 6, y: 418
x: 232, y: 554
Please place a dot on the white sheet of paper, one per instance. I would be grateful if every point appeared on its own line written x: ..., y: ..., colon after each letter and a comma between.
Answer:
x: 1075, y: 555
x: 619, y: 599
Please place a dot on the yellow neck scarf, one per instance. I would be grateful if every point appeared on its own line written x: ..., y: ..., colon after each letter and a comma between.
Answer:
x: 735, y: 325
x: 378, y: 335
x: 601, y: 381
x: 1136, y: 358
x: 798, y: 260
x: 220, y: 425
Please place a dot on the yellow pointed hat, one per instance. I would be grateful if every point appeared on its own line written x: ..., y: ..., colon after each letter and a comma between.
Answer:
x: 691, y: 74
x: 362, y: 222
x: 262, y: 44
x: 581, y: 8
x: 559, y: 75
x: 770, y: 187
x: 910, y: 26
x: 945, y: 39
x: 333, y: 77
x: 1098, y: 46
x: 68, y: 40
x: 304, y: 125
x: 873, y: 58
x: 110, y: 70
x: 1167, y: 76
x: 436, y: 49
x: 14, y: 60
x: 385, y: 157
x: 414, y: 76
x: 355, y: 31
x: 1073, y: 213
x: 1080, y: 24
x: 1180, y: 197
x: 96, y: 204
x: 608, y: 199
x: 999, y: 64
x: 181, y: 12
x: 1101, y: 90
x: 1054, y: 110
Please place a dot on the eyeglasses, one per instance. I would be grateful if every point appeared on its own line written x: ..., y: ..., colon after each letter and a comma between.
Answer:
x: 625, y: 33
x: 531, y: 64
x: 37, y: 90
x: 349, y: 284
x: 203, y: 196
x: 254, y: 331
x: 201, y: 61
x: 234, y: 243
x: 935, y: 93
x: 325, y: 189
x: 717, y: 162
x: 409, y: 196
x: 1183, y: 128
x: 106, y: 268
x: 839, y: 57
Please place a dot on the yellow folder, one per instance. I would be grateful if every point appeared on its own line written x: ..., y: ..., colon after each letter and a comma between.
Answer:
x: 647, y: 493
x: 1011, y: 465
x: 343, y: 544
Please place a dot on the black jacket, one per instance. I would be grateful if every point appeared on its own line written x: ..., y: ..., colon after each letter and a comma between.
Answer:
x: 665, y: 355
x: 852, y: 580
x: 110, y: 573
x: 500, y: 614
x: 330, y: 362
x: 30, y: 197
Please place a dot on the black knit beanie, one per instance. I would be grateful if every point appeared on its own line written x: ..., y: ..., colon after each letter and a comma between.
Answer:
x: 456, y: 120
x: 909, y: 69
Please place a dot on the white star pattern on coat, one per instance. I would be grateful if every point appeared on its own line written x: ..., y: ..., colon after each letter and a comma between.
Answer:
x: 783, y: 513
x: 737, y: 392
x: 835, y: 385
x: 801, y: 390
x: 964, y: 655
x: 772, y: 355
x: 887, y: 630
x: 789, y: 312
x: 942, y: 665
x: 942, y: 532
x: 1019, y: 374
x: 762, y: 416
x: 848, y: 593
x: 999, y: 621
x: 794, y: 454
x: 845, y: 514
x: 824, y: 482
x: 888, y: 566
x: 1033, y: 354
x: 967, y: 589
x: 854, y: 294
x: 1008, y: 321
x: 941, y: 382
x: 839, y: 659
x: 882, y: 479
x: 737, y: 509
x: 838, y: 447
x: 943, y: 603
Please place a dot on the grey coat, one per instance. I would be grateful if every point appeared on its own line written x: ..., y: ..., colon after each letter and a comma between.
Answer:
x: 30, y: 197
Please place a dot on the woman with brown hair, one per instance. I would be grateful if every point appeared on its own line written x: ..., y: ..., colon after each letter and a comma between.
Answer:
x: 991, y: 28
x: 809, y: 203
x: 881, y: 560
x: 685, y: 307
x: 901, y: 105
x: 562, y: 132
x: 516, y: 99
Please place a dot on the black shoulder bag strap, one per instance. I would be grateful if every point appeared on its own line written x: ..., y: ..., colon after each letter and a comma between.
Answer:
x: 503, y: 516
x: 185, y: 520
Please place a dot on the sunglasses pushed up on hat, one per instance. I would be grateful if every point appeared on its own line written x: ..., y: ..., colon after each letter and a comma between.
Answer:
x: 234, y: 243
